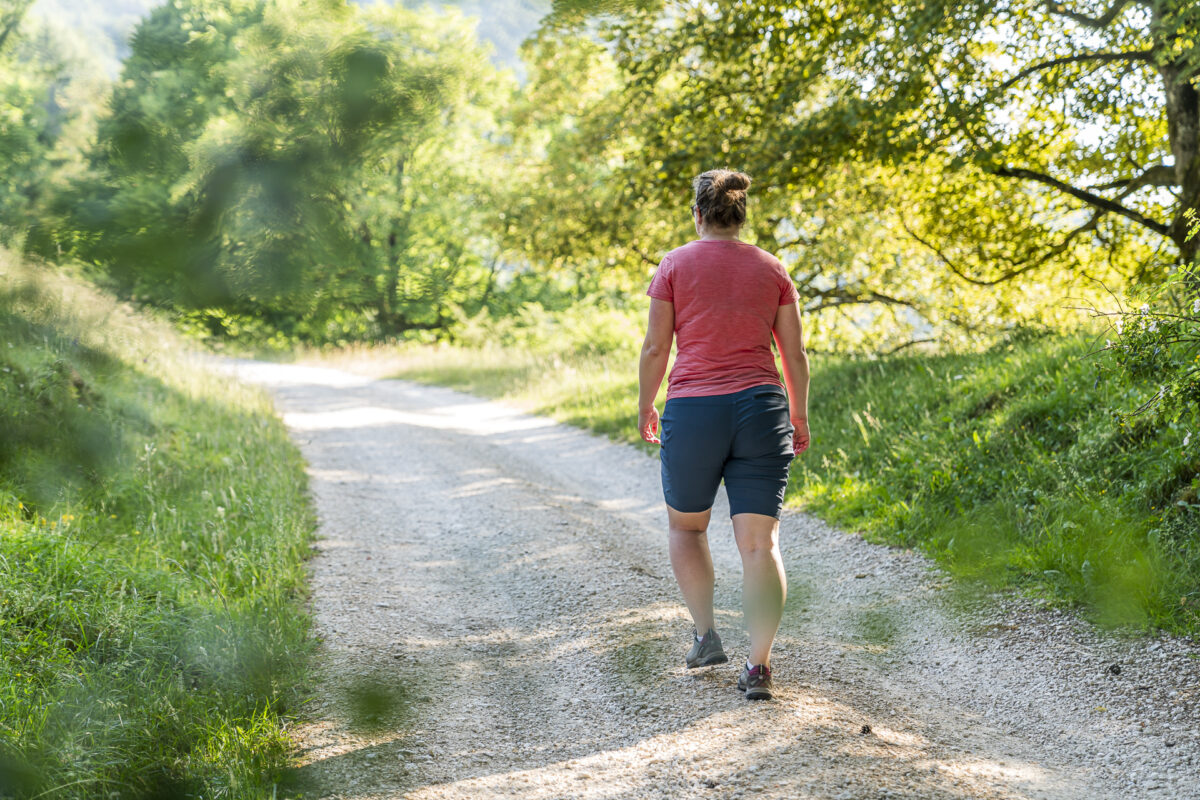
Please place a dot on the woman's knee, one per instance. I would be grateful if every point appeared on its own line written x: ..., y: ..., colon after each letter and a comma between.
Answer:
x: 758, y: 547
x: 686, y: 522
x: 755, y: 534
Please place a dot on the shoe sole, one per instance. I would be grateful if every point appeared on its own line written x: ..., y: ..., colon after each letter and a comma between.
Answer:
x: 720, y: 658
x: 757, y: 693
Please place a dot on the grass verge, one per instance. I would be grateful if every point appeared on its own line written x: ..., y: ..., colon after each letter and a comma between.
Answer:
x: 1007, y: 466
x: 153, y: 527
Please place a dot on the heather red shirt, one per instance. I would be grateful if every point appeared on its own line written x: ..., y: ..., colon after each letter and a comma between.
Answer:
x: 726, y: 295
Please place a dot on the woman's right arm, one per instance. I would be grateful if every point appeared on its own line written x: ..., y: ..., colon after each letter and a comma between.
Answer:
x: 656, y: 351
x: 789, y: 338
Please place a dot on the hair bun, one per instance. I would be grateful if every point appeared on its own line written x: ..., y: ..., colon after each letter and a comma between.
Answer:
x: 721, y: 196
x: 728, y: 182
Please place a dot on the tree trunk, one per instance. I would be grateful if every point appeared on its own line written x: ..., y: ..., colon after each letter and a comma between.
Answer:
x: 388, y: 317
x: 397, y: 239
x: 1183, y: 132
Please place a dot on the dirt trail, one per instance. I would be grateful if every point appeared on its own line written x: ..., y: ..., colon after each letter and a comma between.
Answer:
x: 499, y: 620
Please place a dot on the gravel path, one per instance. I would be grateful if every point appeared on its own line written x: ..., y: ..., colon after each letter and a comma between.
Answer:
x: 498, y: 619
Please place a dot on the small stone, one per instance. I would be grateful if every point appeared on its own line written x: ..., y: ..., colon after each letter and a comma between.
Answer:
x: 865, y: 729
x: 1114, y: 669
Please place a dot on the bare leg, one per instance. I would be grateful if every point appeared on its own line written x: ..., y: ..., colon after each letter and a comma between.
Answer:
x: 764, y: 586
x: 692, y: 564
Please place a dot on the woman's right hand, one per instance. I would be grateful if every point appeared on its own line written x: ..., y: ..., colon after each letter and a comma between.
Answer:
x: 648, y: 424
x: 800, y: 436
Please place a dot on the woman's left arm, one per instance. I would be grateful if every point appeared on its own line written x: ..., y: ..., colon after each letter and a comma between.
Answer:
x: 656, y: 351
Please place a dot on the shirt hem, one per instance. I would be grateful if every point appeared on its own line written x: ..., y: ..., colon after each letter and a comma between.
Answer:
x: 735, y: 388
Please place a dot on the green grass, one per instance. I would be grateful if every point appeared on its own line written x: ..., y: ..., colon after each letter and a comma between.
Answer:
x: 1006, y: 466
x: 153, y: 529
x: 1009, y: 467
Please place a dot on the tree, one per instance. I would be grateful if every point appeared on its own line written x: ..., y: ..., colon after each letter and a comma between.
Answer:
x: 258, y: 154
x: 48, y: 93
x: 11, y: 14
x: 1010, y: 145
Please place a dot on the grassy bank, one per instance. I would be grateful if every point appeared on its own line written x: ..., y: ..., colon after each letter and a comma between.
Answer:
x: 1007, y: 466
x: 153, y: 526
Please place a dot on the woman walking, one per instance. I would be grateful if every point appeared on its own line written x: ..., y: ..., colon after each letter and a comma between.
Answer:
x: 726, y: 416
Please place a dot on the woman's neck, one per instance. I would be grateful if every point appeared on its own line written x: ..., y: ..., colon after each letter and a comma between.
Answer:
x: 730, y: 235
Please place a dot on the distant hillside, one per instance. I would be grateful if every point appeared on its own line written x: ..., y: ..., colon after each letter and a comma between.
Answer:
x: 107, y: 23
x: 503, y: 23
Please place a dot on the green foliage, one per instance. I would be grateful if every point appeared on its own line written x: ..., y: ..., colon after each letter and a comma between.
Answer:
x: 1162, y: 344
x: 583, y: 330
x: 938, y: 170
x: 153, y: 526
x: 306, y: 164
x: 47, y: 88
x: 1007, y: 466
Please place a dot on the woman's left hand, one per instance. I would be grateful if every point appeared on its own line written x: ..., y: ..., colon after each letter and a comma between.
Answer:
x: 801, y: 438
x: 648, y: 424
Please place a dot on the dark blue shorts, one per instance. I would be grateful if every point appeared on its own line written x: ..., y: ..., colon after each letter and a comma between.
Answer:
x: 744, y: 437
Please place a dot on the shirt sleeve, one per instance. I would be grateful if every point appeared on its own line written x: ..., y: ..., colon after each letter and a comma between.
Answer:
x: 787, y: 288
x: 661, y: 285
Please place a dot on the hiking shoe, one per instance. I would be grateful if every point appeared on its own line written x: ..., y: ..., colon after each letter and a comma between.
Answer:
x: 756, y: 682
x: 706, y: 651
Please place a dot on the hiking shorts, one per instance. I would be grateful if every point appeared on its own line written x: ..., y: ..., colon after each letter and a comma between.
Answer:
x: 744, y: 437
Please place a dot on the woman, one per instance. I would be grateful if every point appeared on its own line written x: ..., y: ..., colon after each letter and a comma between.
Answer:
x: 726, y: 416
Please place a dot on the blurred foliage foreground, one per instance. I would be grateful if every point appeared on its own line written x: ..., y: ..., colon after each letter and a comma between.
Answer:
x: 1008, y: 466
x: 153, y: 525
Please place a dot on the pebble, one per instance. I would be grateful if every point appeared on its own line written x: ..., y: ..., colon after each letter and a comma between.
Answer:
x: 533, y: 623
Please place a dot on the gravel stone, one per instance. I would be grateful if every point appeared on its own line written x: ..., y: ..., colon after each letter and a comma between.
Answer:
x: 523, y: 637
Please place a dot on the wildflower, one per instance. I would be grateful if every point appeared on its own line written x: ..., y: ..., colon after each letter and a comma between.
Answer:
x: 1107, y: 344
x: 1145, y: 309
x: 1152, y: 326
x: 1120, y: 325
x: 1187, y: 439
x: 1196, y: 306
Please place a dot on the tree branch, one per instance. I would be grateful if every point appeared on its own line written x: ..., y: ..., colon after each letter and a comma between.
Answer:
x: 1027, y: 266
x: 1094, y: 200
x: 799, y: 239
x: 1131, y: 55
x: 1098, y: 23
x: 836, y: 298
x: 806, y: 241
x: 906, y: 345
x: 1157, y: 175
x: 12, y: 19
x: 643, y: 255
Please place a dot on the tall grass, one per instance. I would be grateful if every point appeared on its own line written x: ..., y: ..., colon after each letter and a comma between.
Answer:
x: 153, y: 528
x: 1011, y: 467
x: 1007, y: 466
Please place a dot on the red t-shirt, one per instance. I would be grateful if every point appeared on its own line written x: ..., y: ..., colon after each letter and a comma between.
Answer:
x: 726, y: 295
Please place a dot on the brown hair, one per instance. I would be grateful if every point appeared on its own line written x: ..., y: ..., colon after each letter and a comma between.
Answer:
x: 721, y: 197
